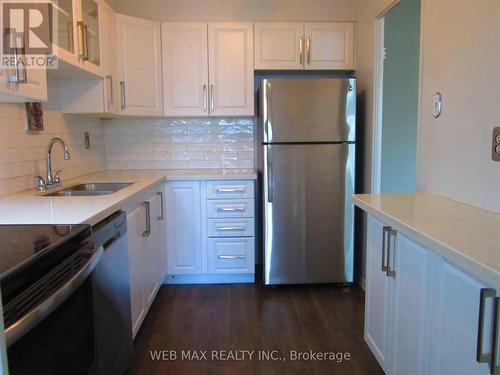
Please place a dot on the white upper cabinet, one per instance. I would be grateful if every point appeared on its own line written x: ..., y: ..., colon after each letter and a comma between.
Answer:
x: 185, y: 68
x: 139, y: 66
x: 329, y: 45
x: 279, y: 45
x: 310, y: 46
x: 109, y: 62
x: 231, y: 68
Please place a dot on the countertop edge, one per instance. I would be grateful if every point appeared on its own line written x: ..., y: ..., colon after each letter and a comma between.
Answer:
x: 469, y: 264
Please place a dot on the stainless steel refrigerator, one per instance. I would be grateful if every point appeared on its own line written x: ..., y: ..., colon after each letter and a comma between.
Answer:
x: 307, y: 132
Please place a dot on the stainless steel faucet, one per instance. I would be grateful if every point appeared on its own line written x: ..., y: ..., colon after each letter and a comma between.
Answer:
x: 52, y: 181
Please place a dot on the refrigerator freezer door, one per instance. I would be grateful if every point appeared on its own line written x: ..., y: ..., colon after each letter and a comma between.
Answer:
x: 308, y: 110
x: 308, y: 214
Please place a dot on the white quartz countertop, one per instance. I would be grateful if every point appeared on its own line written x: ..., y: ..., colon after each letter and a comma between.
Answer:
x: 31, y: 207
x: 467, y: 236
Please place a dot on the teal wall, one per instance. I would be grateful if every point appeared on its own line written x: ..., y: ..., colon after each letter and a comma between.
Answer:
x: 400, y: 105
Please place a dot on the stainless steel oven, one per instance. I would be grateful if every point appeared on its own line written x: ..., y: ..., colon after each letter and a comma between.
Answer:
x: 47, y: 294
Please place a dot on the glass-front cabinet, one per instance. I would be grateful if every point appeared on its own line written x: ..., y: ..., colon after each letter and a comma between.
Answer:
x: 78, y: 31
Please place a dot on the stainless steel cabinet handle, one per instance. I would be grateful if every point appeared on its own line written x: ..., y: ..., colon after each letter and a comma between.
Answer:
x: 111, y: 99
x: 231, y: 257
x: 27, y: 322
x: 268, y: 136
x: 231, y: 209
x: 147, y: 232
x: 212, y: 100
x: 308, y: 50
x: 81, y: 40
x: 162, y: 208
x: 231, y: 228
x: 123, y: 95
x: 301, y: 51
x: 231, y: 190
x: 391, y: 272
x: 485, y: 294
x: 205, y: 98
x: 494, y: 366
x: 384, y: 244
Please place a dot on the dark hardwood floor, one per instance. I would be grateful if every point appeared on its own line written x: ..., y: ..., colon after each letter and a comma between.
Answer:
x: 254, y: 318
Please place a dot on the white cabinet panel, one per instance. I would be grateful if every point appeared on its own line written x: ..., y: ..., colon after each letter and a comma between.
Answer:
x: 455, y: 322
x: 277, y: 45
x: 139, y: 61
x: 230, y: 208
x: 231, y: 255
x: 109, y: 59
x: 329, y: 45
x: 230, y: 189
x: 185, y: 68
x: 184, y: 244
x: 136, y: 244
x: 377, y: 295
x: 231, y: 68
x: 231, y: 227
x: 410, y: 310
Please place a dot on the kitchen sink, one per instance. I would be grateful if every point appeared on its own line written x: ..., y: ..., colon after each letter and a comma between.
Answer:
x: 90, y: 189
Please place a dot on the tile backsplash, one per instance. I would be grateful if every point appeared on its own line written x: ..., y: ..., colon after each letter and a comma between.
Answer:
x: 22, y: 153
x: 179, y: 143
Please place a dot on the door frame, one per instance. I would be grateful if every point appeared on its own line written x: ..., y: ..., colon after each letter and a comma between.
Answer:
x: 378, y: 98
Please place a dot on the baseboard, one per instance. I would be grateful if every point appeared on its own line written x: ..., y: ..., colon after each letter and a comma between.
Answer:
x: 239, y: 278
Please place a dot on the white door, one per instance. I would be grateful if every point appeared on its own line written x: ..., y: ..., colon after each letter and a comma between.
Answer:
x: 136, y: 247
x: 185, y: 68
x: 139, y: 61
x: 279, y: 45
x: 410, y: 304
x: 109, y: 59
x: 455, y: 316
x: 377, y: 295
x: 184, y: 244
x: 162, y: 234
x: 231, y: 68
x: 153, y: 259
x: 329, y: 45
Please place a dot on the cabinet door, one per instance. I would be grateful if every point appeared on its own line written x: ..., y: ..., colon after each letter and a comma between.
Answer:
x: 279, y: 45
x: 231, y: 68
x: 136, y: 247
x: 109, y: 59
x: 377, y: 295
x: 35, y: 89
x: 410, y: 303
x: 329, y: 45
x: 153, y: 258
x: 184, y: 244
x: 161, y: 220
x: 455, y: 315
x: 92, y: 19
x: 139, y: 61
x: 185, y: 68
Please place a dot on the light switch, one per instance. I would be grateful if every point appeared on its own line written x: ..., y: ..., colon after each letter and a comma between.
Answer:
x: 495, y: 152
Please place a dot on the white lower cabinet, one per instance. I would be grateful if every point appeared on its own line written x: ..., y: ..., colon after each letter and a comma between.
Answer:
x: 422, y: 313
x: 210, y: 231
x: 147, y: 255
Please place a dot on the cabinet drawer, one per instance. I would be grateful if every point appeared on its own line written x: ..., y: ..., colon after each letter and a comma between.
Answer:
x: 230, y: 208
x: 230, y: 189
x: 230, y: 255
x: 230, y: 227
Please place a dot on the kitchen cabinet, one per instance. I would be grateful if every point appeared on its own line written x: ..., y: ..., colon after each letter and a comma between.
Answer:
x: 309, y: 46
x: 79, y: 40
x: 422, y: 313
x: 147, y: 254
x: 139, y: 66
x: 210, y: 231
x: 185, y: 68
x: 184, y: 241
x: 208, y: 69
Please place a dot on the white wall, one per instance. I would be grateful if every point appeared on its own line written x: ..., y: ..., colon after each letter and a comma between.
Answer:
x: 179, y: 143
x: 22, y: 153
x: 282, y: 10
x: 461, y: 59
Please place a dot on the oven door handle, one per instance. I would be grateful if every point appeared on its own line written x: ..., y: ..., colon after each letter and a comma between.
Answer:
x: 17, y: 330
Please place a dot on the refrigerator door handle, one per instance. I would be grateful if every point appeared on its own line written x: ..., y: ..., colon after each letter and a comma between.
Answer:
x: 270, y: 177
x: 268, y: 119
